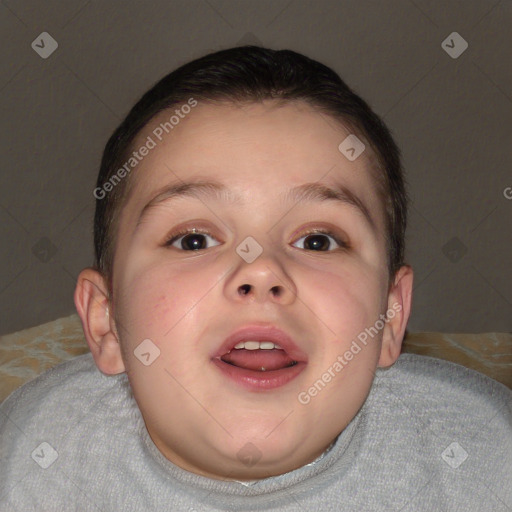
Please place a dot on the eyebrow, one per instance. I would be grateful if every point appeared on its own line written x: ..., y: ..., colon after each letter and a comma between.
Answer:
x: 203, y: 189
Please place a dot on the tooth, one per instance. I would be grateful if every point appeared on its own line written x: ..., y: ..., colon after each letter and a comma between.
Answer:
x: 263, y: 369
x: 255, y: 345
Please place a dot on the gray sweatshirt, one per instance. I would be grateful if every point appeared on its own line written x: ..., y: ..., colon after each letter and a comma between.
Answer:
x: 431, y: 436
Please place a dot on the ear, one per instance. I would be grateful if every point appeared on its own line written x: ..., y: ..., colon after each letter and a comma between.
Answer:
x: 92, y: 304
x: 399, y: 310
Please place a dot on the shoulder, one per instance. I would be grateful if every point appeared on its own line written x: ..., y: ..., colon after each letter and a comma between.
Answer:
x: 443, y: 402
x: 56, y: 423
x: 62, y: 395
x: 446, y: 392
x: 48, y: 407
x: 444, y: 380
x: 452, y: 417
x: 77, y: 377
x: 67, y: 394
x: 446, y: 425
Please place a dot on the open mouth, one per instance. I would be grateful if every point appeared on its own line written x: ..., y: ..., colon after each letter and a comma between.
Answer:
x: 258, y: 356
x: 260, y: 359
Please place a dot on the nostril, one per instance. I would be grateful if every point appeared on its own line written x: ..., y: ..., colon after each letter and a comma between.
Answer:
x: 244, y: 289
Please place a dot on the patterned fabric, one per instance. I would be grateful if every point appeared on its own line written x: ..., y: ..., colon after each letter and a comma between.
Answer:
x: 26, y: 354
x: 488, y: 353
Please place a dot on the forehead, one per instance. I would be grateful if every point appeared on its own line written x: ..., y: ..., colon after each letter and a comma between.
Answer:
x: 258, y: 150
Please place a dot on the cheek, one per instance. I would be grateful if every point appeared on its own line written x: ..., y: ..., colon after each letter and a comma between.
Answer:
x: 346, y: 301
x: 149, y: 303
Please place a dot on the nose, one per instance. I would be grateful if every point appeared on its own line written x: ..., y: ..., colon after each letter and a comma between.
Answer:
x: 263, y: 279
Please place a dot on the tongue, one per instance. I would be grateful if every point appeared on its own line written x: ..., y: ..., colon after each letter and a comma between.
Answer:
x: 256, y: 359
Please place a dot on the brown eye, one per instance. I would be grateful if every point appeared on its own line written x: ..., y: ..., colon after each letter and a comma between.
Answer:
x: 322, y: 241
x: 191, y: 240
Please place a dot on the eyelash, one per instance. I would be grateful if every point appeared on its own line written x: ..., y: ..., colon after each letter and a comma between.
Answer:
x: 342, y: 244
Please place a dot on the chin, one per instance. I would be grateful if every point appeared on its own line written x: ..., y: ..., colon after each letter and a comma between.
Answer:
x: 269, y: 444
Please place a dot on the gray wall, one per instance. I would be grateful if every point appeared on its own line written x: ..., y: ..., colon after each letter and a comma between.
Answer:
x: 451, y: 117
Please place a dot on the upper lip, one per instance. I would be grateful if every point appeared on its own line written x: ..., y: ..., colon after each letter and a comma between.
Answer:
x: 262, y: 333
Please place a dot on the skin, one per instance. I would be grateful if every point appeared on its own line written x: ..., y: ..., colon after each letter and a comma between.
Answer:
x: 187, y: 302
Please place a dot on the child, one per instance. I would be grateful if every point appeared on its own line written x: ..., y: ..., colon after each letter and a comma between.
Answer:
x: 245, y: 316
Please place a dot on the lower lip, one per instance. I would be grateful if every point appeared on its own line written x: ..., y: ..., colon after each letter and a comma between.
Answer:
x: 259, y: 381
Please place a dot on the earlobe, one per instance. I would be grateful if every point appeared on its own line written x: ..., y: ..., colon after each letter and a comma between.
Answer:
x: 92, y: 304
x: 399, y: 310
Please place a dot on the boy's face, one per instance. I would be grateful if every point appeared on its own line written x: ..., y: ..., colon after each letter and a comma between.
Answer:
x: 205, y: 414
